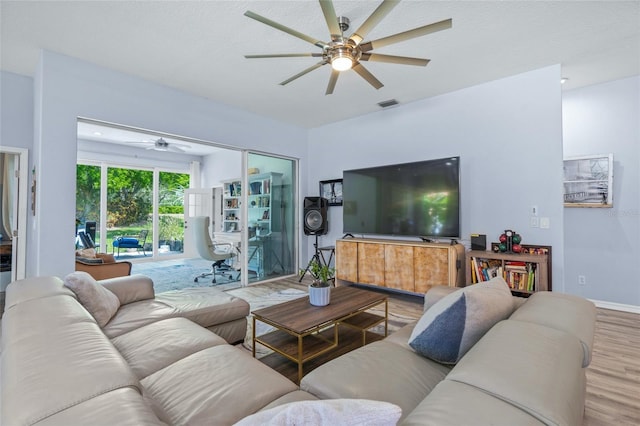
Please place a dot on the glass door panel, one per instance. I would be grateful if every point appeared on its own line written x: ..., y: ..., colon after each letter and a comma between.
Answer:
x: 130, y: 210
x: 270, y: 222
x: 88, y: 203
x: 171, y: 212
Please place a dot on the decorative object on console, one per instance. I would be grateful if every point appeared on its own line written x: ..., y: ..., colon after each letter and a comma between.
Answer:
x: 478, y: 242
x: 509, y: 242
x: 456, y: 322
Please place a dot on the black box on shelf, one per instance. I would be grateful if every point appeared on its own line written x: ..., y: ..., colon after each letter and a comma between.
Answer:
x: 478, y: 242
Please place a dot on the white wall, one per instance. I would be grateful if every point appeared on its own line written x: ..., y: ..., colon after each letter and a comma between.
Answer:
x: 603, y: 244
x: 16, y: 110
x: 66, y: 88
x: 508, y: 134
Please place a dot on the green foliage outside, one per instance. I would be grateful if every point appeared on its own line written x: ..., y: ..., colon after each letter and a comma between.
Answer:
x: 129, y: 201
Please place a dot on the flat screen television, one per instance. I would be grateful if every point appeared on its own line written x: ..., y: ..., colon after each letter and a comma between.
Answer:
x: 420, y: 199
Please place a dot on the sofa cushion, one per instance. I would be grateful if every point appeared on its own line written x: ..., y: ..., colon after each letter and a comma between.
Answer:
x: 206, y: 306
x: 157, y: 345
x: 455, y: 404
x: 380, y: 371
x: 530, y: 366
x: 448, y: 329
x: 336, y: 412
x: 122, y: 407
x: 216, y: 386
x: 137, y: 314
x: 565, y: 312
x: 100, y: 302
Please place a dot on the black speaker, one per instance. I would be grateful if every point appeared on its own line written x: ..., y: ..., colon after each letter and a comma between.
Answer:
x: 90, y: 229
x: 478, y: 242
x: 315, y: 215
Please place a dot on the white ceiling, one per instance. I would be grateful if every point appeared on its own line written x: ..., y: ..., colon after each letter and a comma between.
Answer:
x: 198, y: 47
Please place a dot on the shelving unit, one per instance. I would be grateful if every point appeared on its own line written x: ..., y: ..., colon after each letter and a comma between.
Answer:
x: 231, y: 200
x: 263, y: 221
x: 525, y: 273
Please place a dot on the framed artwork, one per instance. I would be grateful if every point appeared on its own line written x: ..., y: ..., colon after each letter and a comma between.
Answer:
x: 332, y: 191
x: 588, y: 181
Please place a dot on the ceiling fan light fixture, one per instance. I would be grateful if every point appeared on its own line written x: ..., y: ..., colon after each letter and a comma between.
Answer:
x: 342, y: 59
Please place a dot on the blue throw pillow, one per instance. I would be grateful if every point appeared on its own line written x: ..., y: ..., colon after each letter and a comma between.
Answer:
x: 456, y: 322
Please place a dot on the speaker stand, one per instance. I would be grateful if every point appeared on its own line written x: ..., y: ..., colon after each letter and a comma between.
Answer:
x: 314, y: 258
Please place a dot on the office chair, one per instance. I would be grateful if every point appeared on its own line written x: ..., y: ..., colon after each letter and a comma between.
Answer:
x: 208, y: 250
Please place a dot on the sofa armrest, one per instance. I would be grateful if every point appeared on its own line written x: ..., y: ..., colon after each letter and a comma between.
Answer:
x: 103, y: 271
x: 132, y: 288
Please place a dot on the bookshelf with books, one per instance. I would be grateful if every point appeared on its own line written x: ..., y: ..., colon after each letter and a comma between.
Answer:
x: 231, y: 196
x: 525, y: 273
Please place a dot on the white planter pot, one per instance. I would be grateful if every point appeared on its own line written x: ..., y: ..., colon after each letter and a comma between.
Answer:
x: 319, y: 296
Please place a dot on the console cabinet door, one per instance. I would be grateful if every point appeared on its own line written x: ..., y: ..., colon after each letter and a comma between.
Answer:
x: 371, y: 264
x: 347, y: 260
x: 431, y: 266
x: 398, y: 267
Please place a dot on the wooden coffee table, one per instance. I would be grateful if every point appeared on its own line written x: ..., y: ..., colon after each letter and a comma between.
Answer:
x: 304, y: 332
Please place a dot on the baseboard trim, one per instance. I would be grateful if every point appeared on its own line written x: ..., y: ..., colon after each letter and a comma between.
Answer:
x: 617, y: 306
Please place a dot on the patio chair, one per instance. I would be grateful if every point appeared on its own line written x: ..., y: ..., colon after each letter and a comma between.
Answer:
x: 218, y: 253
x: 131, y: 242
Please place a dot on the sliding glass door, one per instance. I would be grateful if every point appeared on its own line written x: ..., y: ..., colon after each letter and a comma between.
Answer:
x: 271, y: 184
x: 139, y: 211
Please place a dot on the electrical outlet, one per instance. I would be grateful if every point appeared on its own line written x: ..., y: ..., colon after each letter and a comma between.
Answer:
x: 582, y: 280
x: 544, y: 222
x: 533, y: 222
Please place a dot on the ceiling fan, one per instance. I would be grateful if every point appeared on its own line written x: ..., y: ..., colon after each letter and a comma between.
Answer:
x: 344, y: 53
x: 162, y: 145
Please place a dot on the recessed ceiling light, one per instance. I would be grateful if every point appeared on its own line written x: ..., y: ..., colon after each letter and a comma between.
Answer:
x: 563, y: 80
x: 97, y: 134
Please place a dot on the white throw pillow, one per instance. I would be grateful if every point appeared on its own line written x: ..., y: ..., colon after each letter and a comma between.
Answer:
x: 335, y: 412
x: 449, y: 328
x: 101, y: 303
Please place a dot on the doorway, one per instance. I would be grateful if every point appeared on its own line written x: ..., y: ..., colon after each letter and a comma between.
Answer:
x: 14, y: 164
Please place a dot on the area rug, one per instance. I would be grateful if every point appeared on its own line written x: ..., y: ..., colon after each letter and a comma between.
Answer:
x: 177, y: 274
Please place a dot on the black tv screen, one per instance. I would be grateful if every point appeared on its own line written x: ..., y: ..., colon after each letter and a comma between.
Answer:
x: 419, y: 199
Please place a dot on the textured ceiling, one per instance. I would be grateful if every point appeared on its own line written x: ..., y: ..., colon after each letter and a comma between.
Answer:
x: 198, y: 47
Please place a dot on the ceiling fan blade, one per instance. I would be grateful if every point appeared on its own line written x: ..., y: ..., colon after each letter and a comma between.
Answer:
x: 367, y: 76
x: 332, y: 82
x: 174, y: 149
x: 331, y: 18
x: 285, y: 55
x: 287, y: 30
x: 403, y: 60
x: 300, y: 74
x: 383, y: 10
x: 406, y: 35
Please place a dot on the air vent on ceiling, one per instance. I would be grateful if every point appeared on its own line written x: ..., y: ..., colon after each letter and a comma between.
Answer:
x: 387, y: 104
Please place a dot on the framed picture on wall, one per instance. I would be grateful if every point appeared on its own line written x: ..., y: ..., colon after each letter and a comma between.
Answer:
x: 332, y: 191
x: 588, y: 181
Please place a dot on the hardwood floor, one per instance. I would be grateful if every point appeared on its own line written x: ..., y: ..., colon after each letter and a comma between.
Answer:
x: 613, y: 377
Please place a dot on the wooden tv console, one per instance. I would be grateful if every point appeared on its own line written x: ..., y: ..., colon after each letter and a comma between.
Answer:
x: 411, y: 266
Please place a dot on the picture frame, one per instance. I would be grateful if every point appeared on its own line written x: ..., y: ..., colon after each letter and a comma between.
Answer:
x: 588, y: 181
x: 332, y: 191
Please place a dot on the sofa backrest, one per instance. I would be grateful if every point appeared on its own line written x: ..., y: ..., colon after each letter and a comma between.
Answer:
x: 48, y: 337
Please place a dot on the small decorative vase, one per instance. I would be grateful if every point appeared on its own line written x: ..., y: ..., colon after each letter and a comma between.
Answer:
x: 319, y: 293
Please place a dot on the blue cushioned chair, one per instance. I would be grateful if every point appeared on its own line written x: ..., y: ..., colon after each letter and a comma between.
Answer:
x: 129, y: 242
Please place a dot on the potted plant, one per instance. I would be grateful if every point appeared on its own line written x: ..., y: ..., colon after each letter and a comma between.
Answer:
x: 319, y: 289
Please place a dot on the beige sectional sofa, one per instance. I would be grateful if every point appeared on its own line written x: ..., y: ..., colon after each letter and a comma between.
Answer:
x: 155, y: 362
x: 526, y: 370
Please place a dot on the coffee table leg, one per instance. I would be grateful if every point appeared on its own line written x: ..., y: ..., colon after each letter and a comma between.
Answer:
x: 386, y: 317
x: 253, y: 337
x: 299, y: 359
